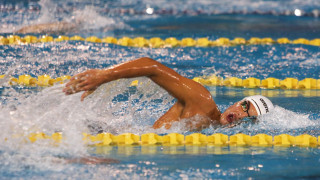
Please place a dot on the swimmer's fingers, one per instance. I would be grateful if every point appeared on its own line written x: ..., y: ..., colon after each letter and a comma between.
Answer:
x: 83, y: 85
x: 86, y: 81
x: 76, y: 79
x: 158, y: 124
x: 71, y: 82
x: 71, y: 89
x: 79, y: 87
x: 76, y: 84
x: 68, y: 90
x: 85, y: 94
x: 168, y: 125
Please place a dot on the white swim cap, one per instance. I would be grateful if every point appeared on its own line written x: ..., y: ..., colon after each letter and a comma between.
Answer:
x: 262, y: 104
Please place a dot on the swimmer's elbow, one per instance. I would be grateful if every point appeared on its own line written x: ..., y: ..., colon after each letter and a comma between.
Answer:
x: 148, y: 60
x: 152, y: 65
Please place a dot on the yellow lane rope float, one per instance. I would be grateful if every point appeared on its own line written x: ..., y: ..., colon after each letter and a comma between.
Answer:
x: 43, y: 80
x: 195, y: 139
x: 268, y: 83
x: 157, y: 42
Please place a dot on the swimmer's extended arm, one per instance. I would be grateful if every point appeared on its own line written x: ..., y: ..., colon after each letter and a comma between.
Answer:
x: 55, y: 27
x: 92, y: 160
x: 184, y: 89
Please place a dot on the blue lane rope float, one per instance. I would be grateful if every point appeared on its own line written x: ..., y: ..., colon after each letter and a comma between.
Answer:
x: 157, y: 42
x: 268, y: 83
x: 195, y: 139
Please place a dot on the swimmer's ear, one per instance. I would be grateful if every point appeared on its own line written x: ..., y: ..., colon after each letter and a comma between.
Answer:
x: 85, y: 94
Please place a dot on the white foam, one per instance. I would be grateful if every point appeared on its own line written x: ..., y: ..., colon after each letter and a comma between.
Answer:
x: 50, y: 110
x: 281, y: 118
x: 90, y: 19
x: 47, y: 13
x: 85, y: 18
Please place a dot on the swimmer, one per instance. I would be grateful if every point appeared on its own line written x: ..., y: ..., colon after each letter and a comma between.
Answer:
x: 193, y: 99
x: 59, y: 27
x: 91, y: 160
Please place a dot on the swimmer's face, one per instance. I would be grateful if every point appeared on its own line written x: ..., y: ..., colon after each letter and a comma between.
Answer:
x: 238, y: 111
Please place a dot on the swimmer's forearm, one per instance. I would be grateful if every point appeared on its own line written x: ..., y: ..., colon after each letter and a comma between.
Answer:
x: 182, y: 88
x: 137, y: 68
x: 178, y: 86
x: 91, y: 79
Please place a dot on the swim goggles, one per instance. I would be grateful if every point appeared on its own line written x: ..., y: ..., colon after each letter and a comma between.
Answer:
x: 245, y: 105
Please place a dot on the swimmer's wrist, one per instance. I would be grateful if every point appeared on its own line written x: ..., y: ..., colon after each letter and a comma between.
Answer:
x: 108, y: 75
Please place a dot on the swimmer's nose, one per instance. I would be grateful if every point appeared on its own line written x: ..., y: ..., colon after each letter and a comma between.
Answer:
x: 231, y: 118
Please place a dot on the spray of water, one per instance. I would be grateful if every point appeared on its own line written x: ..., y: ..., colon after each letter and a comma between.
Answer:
x: 89, y: 19
x: 85, y: 18
x: 114, y: 108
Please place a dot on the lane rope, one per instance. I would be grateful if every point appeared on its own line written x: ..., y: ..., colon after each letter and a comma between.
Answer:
x: 268, y: 83
x: 105, y: 139
x: 175, y: 139
x: 157, y: 42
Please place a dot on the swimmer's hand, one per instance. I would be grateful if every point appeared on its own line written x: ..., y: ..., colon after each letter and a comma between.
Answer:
x: 87, y: 81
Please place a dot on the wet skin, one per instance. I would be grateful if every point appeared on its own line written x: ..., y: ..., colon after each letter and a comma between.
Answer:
x: 192, y: 98
x: 92, y: 160
x: 49, y: 28
x: 236, y: 112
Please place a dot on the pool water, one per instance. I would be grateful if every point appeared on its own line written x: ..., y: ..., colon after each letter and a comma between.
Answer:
x: 118, y: 108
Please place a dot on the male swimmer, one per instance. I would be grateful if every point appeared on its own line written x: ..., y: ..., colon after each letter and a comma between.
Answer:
x: 60, y: 27
x: 193, y: 100
x: 88, y: 160
x: 49, y: 28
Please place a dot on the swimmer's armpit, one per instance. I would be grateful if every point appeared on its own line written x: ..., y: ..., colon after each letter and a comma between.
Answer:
x: 92, y: 160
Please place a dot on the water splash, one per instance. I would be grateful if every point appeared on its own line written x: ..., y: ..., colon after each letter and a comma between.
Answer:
x: 107, y: 16
x: 85, y: 18
x: 114, y: 107
x: 190, y: 7
x: 279, y: 121
x: 89, y: 19
x: 118, y: 108
x: 47, y: 13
